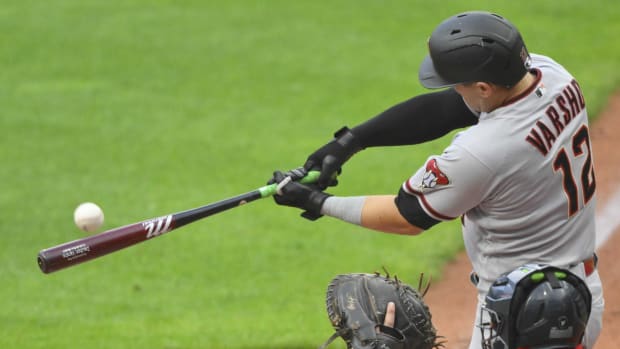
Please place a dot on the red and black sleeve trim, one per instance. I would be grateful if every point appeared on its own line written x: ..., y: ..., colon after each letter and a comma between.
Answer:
x: 423, y: 202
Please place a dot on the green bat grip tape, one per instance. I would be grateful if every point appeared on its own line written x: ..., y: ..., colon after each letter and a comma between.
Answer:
x: 270, y: 189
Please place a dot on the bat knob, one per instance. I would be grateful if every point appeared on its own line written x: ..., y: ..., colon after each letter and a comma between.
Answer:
x: 42, y: 263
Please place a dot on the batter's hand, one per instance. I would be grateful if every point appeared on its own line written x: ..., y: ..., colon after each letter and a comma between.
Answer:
x: 329, y: 158
x: 295, y: 194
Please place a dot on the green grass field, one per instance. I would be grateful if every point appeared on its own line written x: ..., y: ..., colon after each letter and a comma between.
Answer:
x: 153, y: 107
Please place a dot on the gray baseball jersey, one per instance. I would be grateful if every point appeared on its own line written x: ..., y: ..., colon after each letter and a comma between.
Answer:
x: 521, y: 179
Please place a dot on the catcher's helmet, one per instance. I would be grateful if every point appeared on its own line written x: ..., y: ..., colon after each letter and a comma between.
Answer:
x: 535, y: 306
x: 474, y: 46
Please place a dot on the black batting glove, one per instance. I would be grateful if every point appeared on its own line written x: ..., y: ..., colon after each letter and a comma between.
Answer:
x: 294, y: 194
x: 329, y: 158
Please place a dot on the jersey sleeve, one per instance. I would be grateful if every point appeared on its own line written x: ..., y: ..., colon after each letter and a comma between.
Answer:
x: 448, y: 185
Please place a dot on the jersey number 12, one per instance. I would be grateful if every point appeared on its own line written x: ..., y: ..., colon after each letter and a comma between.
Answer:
x: 587, y: 183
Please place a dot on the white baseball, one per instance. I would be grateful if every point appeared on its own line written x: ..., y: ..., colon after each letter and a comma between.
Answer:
x: 88, y: 217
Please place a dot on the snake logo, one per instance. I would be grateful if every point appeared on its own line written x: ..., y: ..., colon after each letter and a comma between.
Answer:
x: 433, y: 175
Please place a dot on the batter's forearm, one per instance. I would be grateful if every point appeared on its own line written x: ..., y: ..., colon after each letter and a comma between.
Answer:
x: 380, y: 213
x: 377, y: 212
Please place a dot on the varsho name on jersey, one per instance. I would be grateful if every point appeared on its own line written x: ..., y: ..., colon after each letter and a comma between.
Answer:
x: 567, y: 105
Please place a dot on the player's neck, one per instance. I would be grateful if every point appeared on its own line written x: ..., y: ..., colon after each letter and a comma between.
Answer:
x: 518, y: 89
x: 503, y: 96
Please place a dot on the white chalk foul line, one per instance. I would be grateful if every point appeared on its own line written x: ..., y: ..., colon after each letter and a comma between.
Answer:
x: 608, y: 219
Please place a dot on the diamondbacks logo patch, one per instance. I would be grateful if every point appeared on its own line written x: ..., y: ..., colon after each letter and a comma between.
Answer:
x: 433, y: 175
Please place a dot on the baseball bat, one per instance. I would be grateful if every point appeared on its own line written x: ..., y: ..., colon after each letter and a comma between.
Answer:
x: 79, y: 251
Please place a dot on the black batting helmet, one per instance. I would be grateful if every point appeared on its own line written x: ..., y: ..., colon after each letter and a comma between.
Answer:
x: 535, y: 306
x: 474, y: 46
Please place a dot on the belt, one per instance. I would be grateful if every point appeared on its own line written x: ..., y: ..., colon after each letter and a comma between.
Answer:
x: 589, y: 266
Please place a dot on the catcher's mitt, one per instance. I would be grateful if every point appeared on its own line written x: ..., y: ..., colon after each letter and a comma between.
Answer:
x: 356, y: 306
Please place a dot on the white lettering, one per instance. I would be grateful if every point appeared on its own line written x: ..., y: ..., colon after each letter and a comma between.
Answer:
x: 75, y: 251
x: 157, y: 226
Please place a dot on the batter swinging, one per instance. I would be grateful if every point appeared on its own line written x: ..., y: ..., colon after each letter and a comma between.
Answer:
x: 520, y: 177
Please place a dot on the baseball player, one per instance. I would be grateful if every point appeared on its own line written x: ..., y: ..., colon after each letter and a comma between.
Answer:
x: 535, y: 306
x: 520, y: 177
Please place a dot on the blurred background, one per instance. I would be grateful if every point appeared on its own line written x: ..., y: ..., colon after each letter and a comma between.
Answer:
x: 154, y: 107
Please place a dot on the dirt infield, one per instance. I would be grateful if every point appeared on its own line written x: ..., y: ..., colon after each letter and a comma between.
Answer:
x: 452, y: 300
